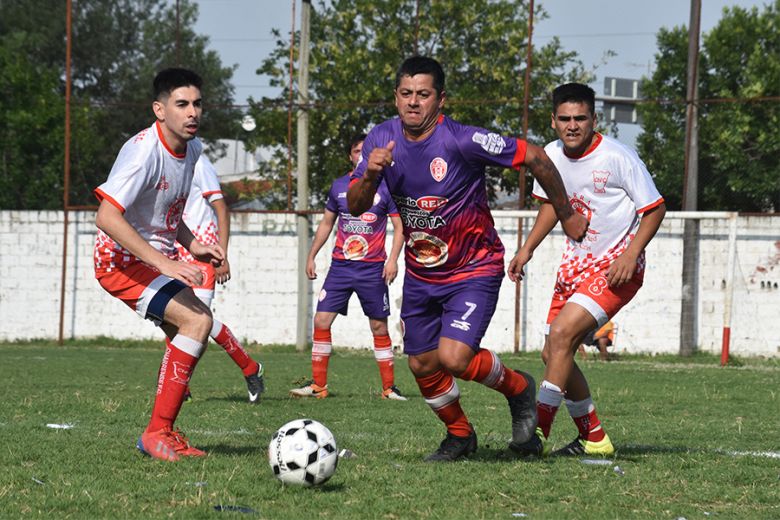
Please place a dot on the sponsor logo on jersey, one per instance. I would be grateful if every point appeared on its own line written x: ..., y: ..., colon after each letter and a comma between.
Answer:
x: 428, y: 250
x: 342, y: 195
x: 492, y: 143
x: 377, y: 198
x: 173, y: 217
x: 431, y: 202
x: 162, y: 185
x: 355, y: 247
x: 438, y: 168
x: 414, y: 217
x: 368, y: 217
x: 600, y: 178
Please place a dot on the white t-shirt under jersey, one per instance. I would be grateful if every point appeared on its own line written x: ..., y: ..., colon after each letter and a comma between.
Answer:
x: 611, y: 186
x: 150, y: 184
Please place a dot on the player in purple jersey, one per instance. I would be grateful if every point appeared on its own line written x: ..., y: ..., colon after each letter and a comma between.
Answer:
x: 358, y: 266
x: 434, y: 168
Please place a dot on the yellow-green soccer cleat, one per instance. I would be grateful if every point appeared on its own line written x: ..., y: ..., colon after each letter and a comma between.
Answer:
x: 580, y: 446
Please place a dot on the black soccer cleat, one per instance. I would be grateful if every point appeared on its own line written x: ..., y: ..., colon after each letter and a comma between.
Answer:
x: 536, y: 446
x: 453, y: 447
x: 255, y: 384
x: 523, y: 409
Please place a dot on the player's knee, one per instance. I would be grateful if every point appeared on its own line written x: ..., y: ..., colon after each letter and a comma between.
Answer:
x: 562, y: 337
x: 545, y: 355
x: 455, y: 364
x: 378, y: 327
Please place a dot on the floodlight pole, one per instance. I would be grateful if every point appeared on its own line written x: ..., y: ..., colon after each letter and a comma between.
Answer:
x: 690, y: 285
x: 302, y: 218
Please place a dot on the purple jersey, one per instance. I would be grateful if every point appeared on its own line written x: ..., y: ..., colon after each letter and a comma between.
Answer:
x: 438, y: 185
x: 360, y: 238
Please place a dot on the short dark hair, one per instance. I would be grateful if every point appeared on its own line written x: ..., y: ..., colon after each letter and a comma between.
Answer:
x: 357, y: 138
x: 574, y: 93
x: 168, y: 80
x: 421, y: 65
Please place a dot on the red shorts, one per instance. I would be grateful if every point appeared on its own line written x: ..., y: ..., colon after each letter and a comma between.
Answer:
x: 142, y: 288
x: 204, y: 291
x: 597, y: 297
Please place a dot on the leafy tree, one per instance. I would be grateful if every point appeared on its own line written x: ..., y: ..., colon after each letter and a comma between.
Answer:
x: 356, y: 47
x: 739, y: 153
x: 117, y: 48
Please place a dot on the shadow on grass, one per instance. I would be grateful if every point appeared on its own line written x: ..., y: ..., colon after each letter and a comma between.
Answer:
x: 225, y: 449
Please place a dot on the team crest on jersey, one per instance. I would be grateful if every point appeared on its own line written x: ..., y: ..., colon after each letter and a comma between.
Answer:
x: 174, y: 214
x: 600, y: 178
x: 438, y: 169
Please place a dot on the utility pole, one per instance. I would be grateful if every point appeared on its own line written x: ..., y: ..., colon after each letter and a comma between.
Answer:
x: 690, y: 272
x: 302, y: 205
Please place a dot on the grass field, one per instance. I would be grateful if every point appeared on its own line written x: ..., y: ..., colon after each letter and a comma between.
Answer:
x: 693, y: 440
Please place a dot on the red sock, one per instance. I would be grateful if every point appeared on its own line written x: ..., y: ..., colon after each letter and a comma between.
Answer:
x: 583, y: 413
x: 547, y: 403
x: 225, y: 339
x: 320, y: 355
x: 383, y: 353
x: 487, y: 369
x: 175, y: 372
x: 443, y: 396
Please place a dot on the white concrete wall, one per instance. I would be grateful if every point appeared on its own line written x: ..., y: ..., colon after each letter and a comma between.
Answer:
x: 259, y: 303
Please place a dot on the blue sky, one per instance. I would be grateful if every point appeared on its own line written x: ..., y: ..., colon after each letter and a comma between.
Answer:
x: 240, y: 31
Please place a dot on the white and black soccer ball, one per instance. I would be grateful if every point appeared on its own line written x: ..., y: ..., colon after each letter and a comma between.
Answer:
x: 303, y: 452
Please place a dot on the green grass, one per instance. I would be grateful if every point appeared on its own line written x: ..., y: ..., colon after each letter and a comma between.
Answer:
x: 683, y: 433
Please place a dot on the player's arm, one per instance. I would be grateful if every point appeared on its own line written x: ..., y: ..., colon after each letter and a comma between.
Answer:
x: 222, y: 273
x: 624, y: 266
x: 113, y: 223
x: 391, y: 265
x: 320, y: 237
x: 212, y: 254
x: 543, y: 169
x: 360, y: 196
x: 546, y: 219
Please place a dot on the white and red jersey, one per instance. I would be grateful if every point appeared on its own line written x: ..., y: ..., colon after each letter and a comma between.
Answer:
x: 149, y: 184
x: 610, y: 185
x: 199, y: 216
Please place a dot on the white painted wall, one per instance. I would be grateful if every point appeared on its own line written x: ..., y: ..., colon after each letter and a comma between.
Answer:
x: 259, y: 303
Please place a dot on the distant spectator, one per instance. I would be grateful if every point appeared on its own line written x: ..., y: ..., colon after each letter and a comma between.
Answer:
x: 602, y: 338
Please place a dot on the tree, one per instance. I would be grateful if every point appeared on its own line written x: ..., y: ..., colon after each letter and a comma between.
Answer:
x: 117, y: 48
x: 356, y: 47
x: 739, y: 155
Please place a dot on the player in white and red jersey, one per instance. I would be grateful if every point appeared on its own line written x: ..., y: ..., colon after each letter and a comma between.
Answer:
x: 434, y: 168
x: 139, y: 220
x: 359, y: 265
x: 207, y: 215
x: 610, y: 185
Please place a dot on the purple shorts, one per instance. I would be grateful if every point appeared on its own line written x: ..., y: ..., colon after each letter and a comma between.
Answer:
x: 459, y: 311
x: 363, y: 278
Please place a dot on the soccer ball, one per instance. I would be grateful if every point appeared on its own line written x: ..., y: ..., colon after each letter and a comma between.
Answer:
x: 303, y: 452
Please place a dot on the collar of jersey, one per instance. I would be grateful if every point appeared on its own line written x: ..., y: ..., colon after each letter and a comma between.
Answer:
x: 165, y: 143
x: 596, y: 142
